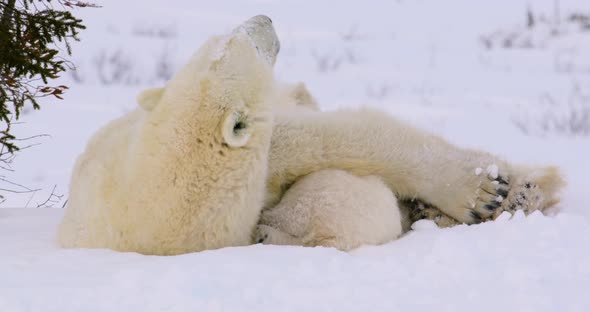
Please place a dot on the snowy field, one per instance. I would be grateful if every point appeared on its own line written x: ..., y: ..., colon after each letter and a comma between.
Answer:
x: 468, y: 70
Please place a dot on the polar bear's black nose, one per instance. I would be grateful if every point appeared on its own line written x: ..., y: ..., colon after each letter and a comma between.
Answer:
x: 262, y: 18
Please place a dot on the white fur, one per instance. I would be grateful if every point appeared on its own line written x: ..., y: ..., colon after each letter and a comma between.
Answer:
x: 295, y: 98
x: 332, y: 208
x: 163, y: 179
x: 414, y: 164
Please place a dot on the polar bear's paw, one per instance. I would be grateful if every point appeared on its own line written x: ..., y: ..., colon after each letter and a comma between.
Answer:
x: 524, y: 188
x: 420, y: 210
x: 268, y: 235
x: 533, y: 189
x: 485, y: 191
x: 261, y: 234
x: 516, y: 188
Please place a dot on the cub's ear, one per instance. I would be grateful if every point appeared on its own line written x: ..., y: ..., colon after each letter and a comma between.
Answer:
x: 148, y: 99
x: 303, y: 97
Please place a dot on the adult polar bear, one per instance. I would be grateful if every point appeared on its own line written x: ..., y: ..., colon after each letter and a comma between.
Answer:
x: 194, y: 166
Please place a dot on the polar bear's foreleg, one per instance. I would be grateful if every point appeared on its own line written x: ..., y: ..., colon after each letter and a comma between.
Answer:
x: 468, y: 185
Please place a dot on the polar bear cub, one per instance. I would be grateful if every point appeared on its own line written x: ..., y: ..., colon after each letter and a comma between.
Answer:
x: 332, y: 208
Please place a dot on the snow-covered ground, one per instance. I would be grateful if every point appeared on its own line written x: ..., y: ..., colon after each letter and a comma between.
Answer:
x: 533, y: 264
x: 426, y: 61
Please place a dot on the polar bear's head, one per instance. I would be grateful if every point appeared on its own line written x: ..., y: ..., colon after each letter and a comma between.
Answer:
x: 230, y: 74
x: 205, y: 138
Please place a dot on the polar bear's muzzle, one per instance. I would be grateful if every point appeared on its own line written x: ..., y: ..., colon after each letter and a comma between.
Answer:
x: 260, y: 30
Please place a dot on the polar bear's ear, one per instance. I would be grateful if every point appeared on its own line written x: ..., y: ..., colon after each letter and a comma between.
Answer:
x: 235, y: 129
x: 148, y: 99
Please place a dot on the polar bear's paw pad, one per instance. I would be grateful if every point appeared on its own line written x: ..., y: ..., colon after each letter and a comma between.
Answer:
x: 533, y: 189
x: 526, y: 197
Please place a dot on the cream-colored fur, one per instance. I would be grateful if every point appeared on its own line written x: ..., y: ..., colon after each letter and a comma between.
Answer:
x: 332, y: 208
x: 414, y: 164
x: 295, y: 97
x: 187, y: 170
x: 175, y: 176
x: 149, y: 98
x: 464, y: 184
x: 496, y: 187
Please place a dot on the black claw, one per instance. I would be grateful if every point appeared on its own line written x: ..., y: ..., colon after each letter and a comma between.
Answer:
x: 502, y: 192
x: 421, y: 216
x: 261, y: 240
x: 492, y: 207
x: 502, y: 181
x: 476, y: 216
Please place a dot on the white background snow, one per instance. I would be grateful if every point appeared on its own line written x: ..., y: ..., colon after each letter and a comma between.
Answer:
x: 425, y: 61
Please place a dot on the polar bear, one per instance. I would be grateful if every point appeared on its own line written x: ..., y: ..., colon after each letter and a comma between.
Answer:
x: 193, y: 167
x: 332, y: 208
x: 185, y: 171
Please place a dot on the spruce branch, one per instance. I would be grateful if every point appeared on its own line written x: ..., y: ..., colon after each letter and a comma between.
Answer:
x: 31, y: 35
